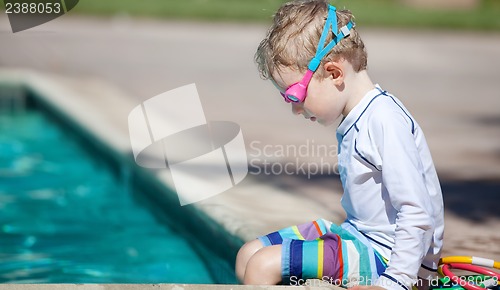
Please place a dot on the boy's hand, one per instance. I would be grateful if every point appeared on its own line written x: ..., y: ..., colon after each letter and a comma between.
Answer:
x: 366, y: 288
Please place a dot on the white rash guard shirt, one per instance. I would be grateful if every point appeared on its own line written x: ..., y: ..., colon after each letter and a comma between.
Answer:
x: 392, y: 193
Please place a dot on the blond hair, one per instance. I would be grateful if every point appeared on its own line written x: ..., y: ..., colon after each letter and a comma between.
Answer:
x: 292, y: 40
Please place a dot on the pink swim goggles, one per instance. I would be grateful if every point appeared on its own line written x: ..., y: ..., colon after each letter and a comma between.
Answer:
x: 297, y: 92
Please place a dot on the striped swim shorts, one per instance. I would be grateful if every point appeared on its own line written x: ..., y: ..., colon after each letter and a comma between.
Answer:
x: 325, y: 251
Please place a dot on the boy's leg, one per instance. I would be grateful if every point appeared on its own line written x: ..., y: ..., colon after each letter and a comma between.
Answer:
x: 244, y: 255
x: 308, y: 231
x: 264, y: 267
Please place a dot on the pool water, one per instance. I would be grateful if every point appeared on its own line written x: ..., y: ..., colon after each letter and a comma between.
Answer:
x: 65, y: 217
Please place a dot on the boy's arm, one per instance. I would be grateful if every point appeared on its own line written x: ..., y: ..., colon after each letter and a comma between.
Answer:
x: 403, y: 177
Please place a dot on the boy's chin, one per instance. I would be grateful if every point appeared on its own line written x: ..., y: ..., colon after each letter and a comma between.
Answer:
x: 325, y: 123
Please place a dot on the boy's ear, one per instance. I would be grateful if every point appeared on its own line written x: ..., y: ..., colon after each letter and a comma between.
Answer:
x: 335, y: 71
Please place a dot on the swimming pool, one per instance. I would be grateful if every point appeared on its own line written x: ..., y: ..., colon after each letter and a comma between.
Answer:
x: 71, y: 216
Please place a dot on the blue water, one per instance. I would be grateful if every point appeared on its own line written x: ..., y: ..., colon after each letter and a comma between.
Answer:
x: 66, y: 218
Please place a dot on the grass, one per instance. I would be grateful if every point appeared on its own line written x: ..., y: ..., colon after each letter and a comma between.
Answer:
x: 233, y: 10
x: 385, y: 13
x: 395, y: 14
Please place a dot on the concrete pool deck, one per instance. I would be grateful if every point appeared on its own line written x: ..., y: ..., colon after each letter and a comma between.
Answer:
x: 154, y: 287
x: 98, y: 70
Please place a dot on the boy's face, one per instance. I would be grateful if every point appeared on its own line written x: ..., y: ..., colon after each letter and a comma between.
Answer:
x: 323, y: 102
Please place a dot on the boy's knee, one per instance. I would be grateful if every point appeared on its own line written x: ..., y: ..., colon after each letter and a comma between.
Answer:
x: 244, y: 255
x: 264, y: 267
x: 262, y: 259
x: 251, y: 247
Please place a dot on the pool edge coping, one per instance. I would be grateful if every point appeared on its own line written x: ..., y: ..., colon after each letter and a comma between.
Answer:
x: 155, y: 286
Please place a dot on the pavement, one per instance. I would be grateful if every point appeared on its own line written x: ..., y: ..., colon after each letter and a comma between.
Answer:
x: 449, y: 80
x: 153, y: 287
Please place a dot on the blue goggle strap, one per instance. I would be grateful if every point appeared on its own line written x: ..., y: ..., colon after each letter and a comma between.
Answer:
x: 331, y: 23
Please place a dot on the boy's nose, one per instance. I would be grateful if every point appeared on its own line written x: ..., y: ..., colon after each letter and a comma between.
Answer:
x: 297, y: 108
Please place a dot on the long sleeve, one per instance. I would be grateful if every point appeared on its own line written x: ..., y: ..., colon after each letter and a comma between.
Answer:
x: 403, y: 181
x: 391, y: 194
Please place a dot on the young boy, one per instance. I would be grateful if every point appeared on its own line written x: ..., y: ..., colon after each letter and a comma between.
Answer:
x: 394, y: 228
